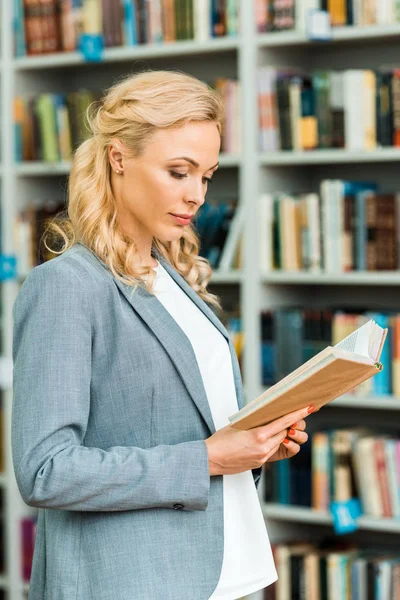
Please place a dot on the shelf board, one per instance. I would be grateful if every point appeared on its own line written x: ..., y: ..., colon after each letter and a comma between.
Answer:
x: 301, y: 514
x: 353, y: 278
x: 374, y: 402
x: 328, y: 156
x: 226, y: 277
x: 128, y: 53
x: 40, y: 169
x: 362, y: 402
x: 47, y: 169
x: 339, y: 34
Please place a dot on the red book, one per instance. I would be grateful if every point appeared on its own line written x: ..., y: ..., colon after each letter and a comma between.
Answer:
x: 396, y: 106
x: 28, y: 534
x: 33, y: 26
x: 380, y: 459
x: 50, y: 25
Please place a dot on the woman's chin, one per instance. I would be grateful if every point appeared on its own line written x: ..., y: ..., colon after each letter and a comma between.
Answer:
x: 171, y: 235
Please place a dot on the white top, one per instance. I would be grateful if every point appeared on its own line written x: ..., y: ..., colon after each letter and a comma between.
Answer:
x: 248, y: 563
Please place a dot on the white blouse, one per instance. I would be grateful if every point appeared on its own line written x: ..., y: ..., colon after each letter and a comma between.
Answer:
x: 248, y: 563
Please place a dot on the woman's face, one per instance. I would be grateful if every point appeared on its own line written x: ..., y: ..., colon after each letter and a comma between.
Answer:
x: 158, y: 193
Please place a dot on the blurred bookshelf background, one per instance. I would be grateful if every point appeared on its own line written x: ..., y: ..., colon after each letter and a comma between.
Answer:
x: 301, y: 227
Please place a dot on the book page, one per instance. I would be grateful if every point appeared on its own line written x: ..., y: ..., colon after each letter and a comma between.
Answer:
x: 365, y: 340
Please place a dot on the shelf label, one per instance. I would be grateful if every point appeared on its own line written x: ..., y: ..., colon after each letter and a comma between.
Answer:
x: 318, y: 25
x: 345, y: 515
x: 8, y: 267
x: 91, y: 45
x: 6, y: 373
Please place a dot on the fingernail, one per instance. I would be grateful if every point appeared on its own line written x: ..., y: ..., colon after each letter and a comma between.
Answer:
x: 310, y: 409
x: 286, y: 441
x: 291, y: 432
x: 294, y: 425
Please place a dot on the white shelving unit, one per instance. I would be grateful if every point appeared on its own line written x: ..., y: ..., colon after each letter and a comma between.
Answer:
x: 350, y: 47
x: 250, y: 174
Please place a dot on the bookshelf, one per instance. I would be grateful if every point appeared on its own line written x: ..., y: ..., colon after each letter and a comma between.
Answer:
x: 350, y: 47
x: 249, y: 174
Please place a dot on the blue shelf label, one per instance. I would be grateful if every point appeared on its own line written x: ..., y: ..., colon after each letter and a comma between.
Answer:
x: 91, y: 45
x: 345, y: 515
x: 8, y: 267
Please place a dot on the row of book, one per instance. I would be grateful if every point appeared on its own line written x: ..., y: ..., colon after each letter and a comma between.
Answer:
x: 291, y: 336
x: 217, y: 225
x: 337, y: 466
x: 49, y: 127
x: 356, y: 109
x: 332, y: 571
x: 57, y: 25
x: 29, y: 226
x: 349, y: 226
x: 280, y: 15
x: 213, y: 224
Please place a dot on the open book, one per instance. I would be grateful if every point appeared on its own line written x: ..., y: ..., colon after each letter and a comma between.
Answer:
x: 331, y: 373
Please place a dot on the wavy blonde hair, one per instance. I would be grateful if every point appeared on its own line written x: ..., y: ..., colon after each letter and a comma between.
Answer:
x: 131, y: 111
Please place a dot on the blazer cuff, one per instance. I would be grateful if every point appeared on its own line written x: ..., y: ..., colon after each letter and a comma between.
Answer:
x: 196, y: 473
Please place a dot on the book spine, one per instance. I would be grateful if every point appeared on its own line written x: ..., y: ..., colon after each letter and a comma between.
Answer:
x: 19, y: 29
x: 381, y: 469
x: 337, y: 11
x: 33, y: 27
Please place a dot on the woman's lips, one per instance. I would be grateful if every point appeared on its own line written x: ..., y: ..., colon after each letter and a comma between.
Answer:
x: 181, y: 220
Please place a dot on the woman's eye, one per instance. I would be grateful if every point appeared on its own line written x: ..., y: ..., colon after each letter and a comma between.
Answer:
x: 207, y: 180
x: 178, y: 175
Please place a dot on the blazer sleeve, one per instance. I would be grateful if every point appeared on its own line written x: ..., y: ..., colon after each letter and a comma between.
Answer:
x: 52, y: 341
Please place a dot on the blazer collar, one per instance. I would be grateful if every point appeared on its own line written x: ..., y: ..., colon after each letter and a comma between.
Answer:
x: 172, y: 337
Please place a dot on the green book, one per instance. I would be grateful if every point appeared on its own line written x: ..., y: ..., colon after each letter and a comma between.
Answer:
x: 45, y: 110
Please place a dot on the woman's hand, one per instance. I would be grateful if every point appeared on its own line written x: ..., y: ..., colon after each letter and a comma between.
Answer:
x: 232, y: 451
x: 291, y: 444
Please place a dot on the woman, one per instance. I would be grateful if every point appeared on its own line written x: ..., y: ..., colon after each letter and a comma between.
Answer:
x: 124, y: 377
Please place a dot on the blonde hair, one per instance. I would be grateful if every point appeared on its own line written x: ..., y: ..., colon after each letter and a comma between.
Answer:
x: 131, y: 111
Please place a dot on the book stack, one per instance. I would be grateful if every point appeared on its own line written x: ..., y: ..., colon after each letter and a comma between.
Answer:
x: 336, y: 466
x: 349, y: 226
x: 43, y: 26
x: 356, y: 463
x: 48, y: 127
x: 280, y: 15
x: 334, y: 572
x: 356, y: 109
x: 292, y: 336
x: 213, y: 224
x: 29, y: 227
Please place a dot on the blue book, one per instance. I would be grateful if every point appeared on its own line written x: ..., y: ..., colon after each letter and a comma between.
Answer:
x: 283, y: 476
x: 381, y: 382
x: 359, y: 190
x: 129, y: 23
x: 19, y: 30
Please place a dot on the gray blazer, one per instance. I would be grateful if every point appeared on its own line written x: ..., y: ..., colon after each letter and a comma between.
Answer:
x: 108, y: 427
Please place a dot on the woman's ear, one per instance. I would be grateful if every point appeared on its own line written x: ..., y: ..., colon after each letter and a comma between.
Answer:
x: 115, y: 156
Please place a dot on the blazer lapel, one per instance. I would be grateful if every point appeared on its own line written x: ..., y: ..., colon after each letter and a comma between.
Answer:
x: 174, y: 340
x: 214, y: 320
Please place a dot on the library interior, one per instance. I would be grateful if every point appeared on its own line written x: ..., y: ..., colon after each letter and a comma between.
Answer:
x: 301, y: 230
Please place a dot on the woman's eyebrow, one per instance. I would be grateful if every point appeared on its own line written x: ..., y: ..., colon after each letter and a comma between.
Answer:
x: 192, y: 161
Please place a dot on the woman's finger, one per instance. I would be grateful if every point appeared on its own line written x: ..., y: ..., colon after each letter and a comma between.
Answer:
x: 291, y: 447
x: 300, y: 437
x: 300, y: 425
